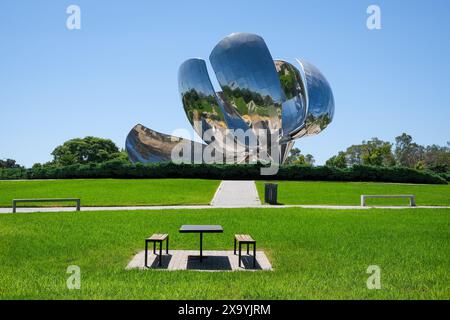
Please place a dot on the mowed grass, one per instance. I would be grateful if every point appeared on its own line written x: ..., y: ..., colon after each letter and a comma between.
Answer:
x: 349, y: 193
x: 316, y: 254
x: 112, y: 192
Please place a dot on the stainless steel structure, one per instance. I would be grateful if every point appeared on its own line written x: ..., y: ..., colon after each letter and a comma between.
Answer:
x: 258, y: 93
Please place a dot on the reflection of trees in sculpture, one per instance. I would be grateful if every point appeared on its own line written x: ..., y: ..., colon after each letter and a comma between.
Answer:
x: 289, y: 79
x: 199, y: 102
x: 242, y: 99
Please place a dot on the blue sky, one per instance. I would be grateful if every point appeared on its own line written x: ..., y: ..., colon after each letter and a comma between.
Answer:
x: 120, y: 69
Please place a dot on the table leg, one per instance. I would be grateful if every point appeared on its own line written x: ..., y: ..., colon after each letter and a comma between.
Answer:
x: 167, y: 245
x: 146, y: 252
x: 254, y: 254
x: 160, y: 253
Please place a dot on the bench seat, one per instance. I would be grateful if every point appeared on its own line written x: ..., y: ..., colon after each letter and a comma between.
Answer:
x: 245, y: 239
x: 160, y: 238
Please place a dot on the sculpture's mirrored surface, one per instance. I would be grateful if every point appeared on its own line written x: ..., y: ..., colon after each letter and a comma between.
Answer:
x: 263, y: 105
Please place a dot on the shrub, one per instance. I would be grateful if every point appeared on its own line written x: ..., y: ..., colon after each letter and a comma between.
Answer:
x: 121, y: 169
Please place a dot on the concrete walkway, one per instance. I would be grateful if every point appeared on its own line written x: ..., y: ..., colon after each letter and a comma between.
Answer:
x: 200, y: 207
x: 236, y: 194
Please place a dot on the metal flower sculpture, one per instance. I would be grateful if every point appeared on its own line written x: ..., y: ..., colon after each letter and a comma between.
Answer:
x: 257, y: 94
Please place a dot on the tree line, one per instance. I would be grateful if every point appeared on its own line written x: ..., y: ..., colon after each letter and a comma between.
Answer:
x: 403, y: 153
x: 375, y: 152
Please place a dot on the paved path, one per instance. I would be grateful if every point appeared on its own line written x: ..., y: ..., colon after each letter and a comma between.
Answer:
x: 236, y: 194
x: 212, y: 261
x: 198, y: 207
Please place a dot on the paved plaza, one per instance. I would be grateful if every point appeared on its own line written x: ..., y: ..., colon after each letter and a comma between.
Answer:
x: 212, y: 261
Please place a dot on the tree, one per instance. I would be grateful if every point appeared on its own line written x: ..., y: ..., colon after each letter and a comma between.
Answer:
x: 9, y: 163
x: 295, y: 157
x: 86, y: 150
x: 338, y: 161
x: 309, y: 159
x: 377, y: 152
x: 437, y: 158
x: 407, y: 153
x: 374, y: 152
x: 354, y: 154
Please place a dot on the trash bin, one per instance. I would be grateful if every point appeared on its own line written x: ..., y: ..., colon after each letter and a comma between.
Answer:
x: 270, y: 193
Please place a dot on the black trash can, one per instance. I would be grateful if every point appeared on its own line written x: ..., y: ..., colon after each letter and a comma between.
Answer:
x: 270, y: 193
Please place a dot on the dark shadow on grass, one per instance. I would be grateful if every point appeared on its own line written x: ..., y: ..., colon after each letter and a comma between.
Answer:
x: 247, y: 263
x: 164, y: 263
x: 219, y: 263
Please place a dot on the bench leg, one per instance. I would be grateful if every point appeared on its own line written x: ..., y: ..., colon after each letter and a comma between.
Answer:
x: 14, y: 207
x: 78, y: 205
x: 234, y: 246
x: 248, y: 246
x: 412, y: 202
x: 240, y: 248
x: 146, y: 253
x: 363, y: 201
x: 167, y: 245
x: 254, y: 254
x: 160, y: 253
x: 154, y: 247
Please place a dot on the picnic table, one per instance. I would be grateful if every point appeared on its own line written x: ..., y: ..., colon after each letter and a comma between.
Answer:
x: 201, y: 229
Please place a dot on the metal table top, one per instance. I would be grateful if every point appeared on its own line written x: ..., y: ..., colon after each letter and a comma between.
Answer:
x: 201, y: 228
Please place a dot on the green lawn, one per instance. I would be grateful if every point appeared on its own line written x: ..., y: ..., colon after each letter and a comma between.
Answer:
x: 113, y: 192
x: 317, y: 254
x: 348, y: 193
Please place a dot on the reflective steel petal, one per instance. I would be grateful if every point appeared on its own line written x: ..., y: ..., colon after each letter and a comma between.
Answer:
x: 319, y: 99
x: 294, y: 108
x: 146, y: 145
x: 249, y: 81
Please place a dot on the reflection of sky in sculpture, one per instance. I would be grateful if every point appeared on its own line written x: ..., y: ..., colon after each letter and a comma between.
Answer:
x: 320, y: 100
x: 257, y: 93
x: 247, y: 75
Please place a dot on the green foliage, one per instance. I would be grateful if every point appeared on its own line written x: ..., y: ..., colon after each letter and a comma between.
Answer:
x: 85, y: 151
x: 374, y: 152
x: 338, y: 161
x: 123, y: 169
x: 406, y: 154
x: 9, y: 163
x: 295, y: 157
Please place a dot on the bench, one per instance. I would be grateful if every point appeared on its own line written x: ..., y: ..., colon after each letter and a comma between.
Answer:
x: 157, y: 238
x: 245, y: 239
x: 15, y: 201
x: 412, y: 198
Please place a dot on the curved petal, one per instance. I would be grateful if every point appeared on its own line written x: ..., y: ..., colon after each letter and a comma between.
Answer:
x: 146, y: 145
x: 250, y: 84
x: 294, y: 108
x: 198, y: 96
x: 319, y: 100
